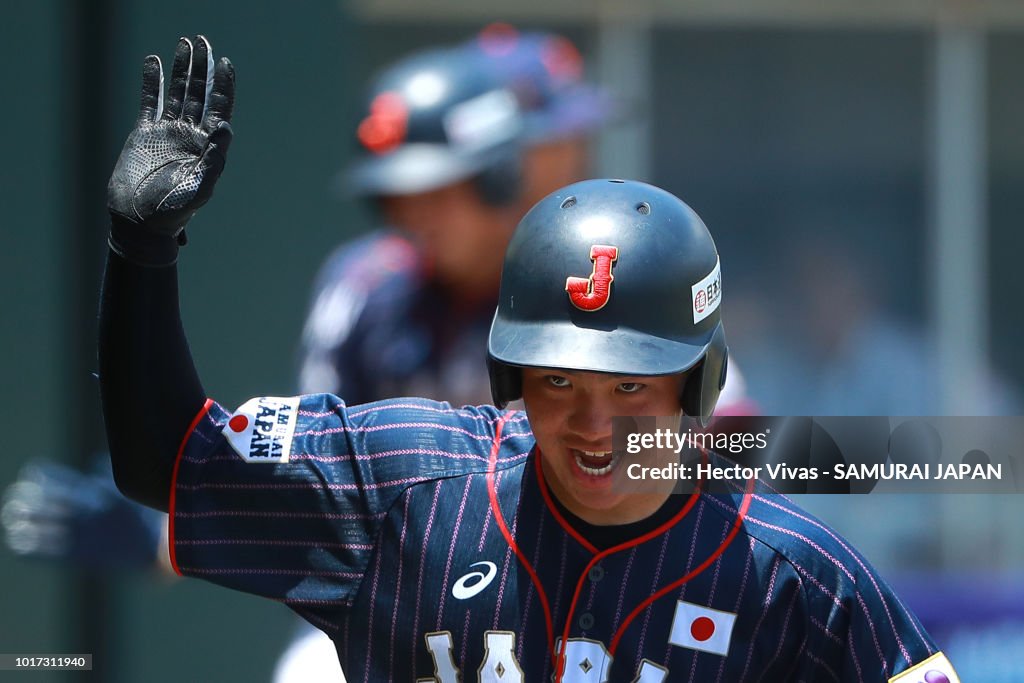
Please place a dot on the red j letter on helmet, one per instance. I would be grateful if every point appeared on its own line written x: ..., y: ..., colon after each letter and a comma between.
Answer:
x: 591, y: 294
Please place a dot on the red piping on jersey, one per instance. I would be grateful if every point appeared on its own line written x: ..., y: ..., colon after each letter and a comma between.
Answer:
x: 654, y: 533
x: 492, y: 493
x: 174, y: 484
x: 737, y: 523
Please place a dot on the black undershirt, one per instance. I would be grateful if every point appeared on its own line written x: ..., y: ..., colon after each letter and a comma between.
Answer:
x: 148, y: 383
x: 608, y: 536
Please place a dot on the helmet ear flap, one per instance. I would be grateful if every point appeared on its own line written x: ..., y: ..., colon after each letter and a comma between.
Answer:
x: 706, y: 380
x: 506, y: 382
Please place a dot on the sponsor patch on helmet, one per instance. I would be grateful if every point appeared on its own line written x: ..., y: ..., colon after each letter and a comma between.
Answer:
x: 261, y: 430
x: 935, y: 669
x: 592, y: 293
x: 707, y: 294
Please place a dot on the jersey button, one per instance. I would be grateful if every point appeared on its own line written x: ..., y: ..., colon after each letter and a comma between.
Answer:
x: 596, y: 573
x: 586, y: 621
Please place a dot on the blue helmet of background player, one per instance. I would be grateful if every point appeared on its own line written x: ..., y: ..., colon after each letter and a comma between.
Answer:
x: 611, y: 276
x: 433, y: 119
x: 545, y: 71
x: 561, y: 112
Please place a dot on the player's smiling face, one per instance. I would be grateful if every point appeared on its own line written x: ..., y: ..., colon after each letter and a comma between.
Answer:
x: 571, y: 415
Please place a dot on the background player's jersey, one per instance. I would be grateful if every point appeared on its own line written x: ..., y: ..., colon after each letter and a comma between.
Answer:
x: 421, y: 538
x: 378, y: 327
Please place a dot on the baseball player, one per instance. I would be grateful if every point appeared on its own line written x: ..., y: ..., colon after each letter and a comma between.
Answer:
x: 399, y: 308
x: 440, y: 544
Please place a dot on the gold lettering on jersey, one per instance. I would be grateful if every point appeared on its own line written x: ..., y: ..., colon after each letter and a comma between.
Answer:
x: 500, y: 665
x: 586, y: 661
x: 440, y: 647
x: 650, y: 673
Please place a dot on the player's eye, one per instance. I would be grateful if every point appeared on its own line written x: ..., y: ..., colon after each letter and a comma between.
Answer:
x: 558, y: 381
x: 631, y: 387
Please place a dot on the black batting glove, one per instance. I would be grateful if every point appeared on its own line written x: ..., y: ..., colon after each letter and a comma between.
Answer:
x: 173, y: 157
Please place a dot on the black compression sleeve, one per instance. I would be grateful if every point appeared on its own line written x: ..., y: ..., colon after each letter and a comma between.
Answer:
x: 148, y: 383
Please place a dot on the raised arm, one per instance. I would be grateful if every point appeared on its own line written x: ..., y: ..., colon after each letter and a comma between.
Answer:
x: 167, y: 170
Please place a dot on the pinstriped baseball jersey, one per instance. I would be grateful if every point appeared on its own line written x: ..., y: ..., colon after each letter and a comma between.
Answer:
x: 424, y: 541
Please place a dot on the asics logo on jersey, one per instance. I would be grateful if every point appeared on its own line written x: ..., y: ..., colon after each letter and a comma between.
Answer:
x: 591, y: 294
x: 474, y: 582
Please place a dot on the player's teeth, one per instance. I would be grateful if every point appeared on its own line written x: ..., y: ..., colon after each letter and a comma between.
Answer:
x: 595, y: 471
x: 598, y: 454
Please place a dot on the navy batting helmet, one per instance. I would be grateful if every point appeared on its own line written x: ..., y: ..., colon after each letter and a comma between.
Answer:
x: 433, y: 119
x: 611, y: 276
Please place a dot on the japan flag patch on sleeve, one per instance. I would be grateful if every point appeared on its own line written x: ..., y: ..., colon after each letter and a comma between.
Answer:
x: 935, y: 669
x: 700, y: 628
x: 261, y: 430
